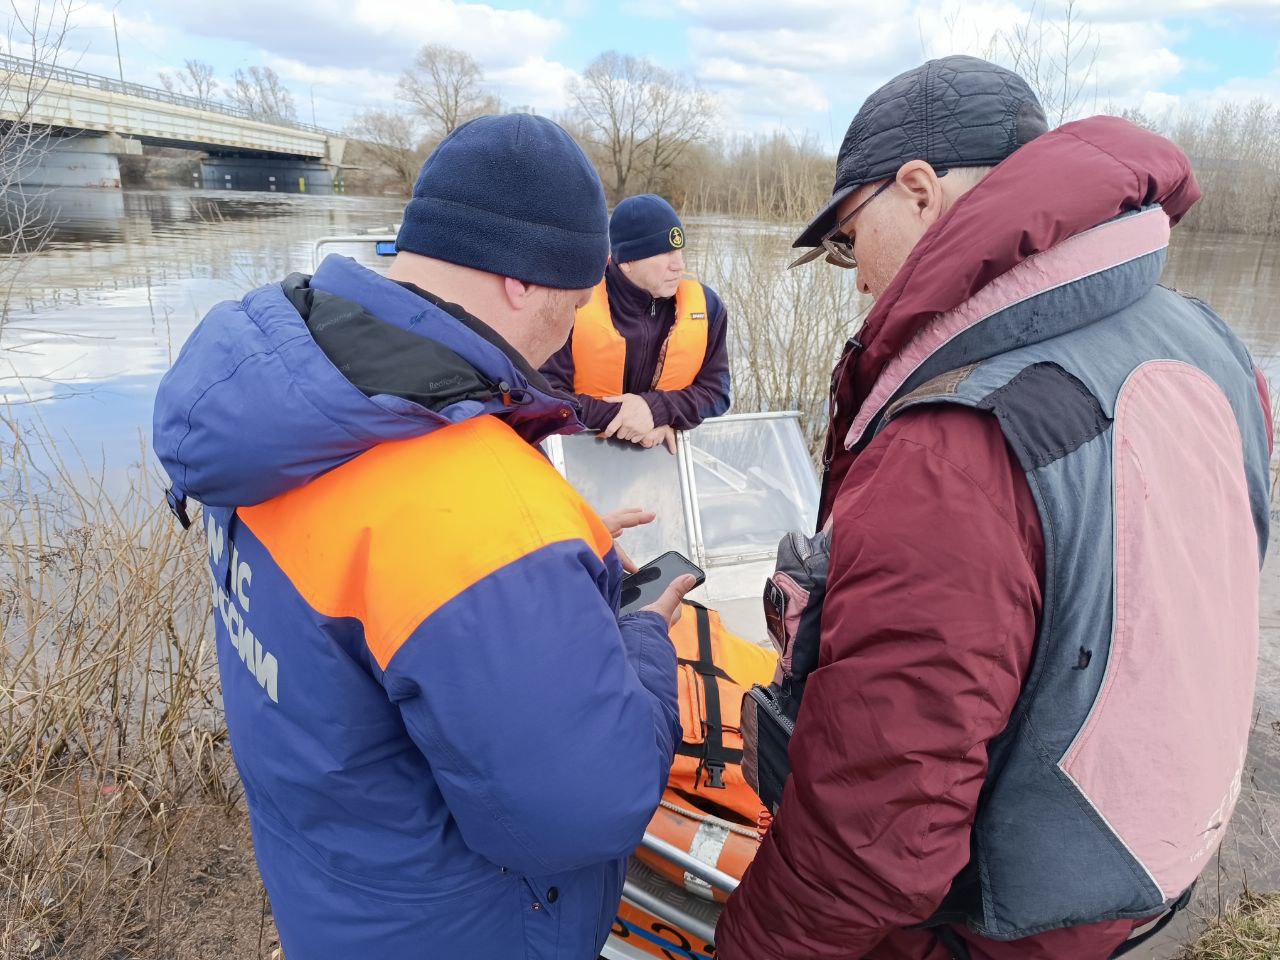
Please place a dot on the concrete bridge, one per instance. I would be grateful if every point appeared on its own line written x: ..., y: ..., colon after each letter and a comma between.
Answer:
x: 95, y: 119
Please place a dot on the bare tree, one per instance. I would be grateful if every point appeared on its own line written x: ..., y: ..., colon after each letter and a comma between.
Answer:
x: 393, y: 142
x: 195, y: 80
x: 446, y: 88
x: 259, y: 92
x: 1056, y: 55
x: 35, y: 35
x: 1058, y: 58
x: 639, y: 117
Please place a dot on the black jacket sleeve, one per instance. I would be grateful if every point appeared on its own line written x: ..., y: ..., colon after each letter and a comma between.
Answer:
x: 559, y: 371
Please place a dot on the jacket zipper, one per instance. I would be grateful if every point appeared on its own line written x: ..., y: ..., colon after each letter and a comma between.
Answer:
x: 765, y: 698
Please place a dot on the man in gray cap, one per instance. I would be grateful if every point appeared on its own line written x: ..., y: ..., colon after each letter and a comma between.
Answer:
x: 1046, y: 492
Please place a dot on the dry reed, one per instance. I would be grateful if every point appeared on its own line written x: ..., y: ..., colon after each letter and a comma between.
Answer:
x: 112, y: 743
x: 786, y: 327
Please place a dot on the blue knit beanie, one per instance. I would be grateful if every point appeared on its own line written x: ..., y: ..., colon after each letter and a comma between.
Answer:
x: 511, y: 195
x: 644, y: 226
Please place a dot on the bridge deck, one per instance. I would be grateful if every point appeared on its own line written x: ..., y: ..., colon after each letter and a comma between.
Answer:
x: 56, y: 97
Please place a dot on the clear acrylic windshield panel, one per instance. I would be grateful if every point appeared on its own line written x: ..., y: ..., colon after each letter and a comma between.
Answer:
x: 374, y: 251
x: 755, y: 483
x: 612, y: 475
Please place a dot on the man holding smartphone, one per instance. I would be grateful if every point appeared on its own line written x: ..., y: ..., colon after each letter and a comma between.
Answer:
x: 449, y: 741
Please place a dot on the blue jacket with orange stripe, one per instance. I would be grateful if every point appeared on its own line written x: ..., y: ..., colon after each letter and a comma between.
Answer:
x: 448, y: 740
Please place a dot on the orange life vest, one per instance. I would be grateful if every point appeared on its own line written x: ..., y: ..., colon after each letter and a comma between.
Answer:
x: 600, y: 352
x: 708, y: 809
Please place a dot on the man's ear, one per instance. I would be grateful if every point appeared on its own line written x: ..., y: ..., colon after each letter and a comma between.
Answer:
x: 923, y: 188
x: 517, y: 292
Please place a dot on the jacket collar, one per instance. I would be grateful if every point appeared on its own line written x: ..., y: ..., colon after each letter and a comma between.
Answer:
x: 625, y: 298
x: 1057, y: 186
x: 535, y: 411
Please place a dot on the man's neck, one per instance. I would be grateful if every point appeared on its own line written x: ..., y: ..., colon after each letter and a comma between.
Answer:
x: 631, y: 292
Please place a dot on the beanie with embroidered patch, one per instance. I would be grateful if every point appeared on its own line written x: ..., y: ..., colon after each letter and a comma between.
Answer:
x: 644, y: 226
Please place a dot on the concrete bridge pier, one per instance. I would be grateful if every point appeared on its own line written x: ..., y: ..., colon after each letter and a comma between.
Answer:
x: 268, y: 174
x: 84, y: 160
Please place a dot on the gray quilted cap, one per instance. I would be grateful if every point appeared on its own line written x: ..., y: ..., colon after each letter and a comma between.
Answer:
x: 953, y: 112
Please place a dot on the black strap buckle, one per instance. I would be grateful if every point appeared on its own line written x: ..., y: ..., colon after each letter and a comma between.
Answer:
x: 715, y: 774
x: 178, y: 507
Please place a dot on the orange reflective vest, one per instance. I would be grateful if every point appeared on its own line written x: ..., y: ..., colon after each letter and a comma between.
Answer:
x: 600, y: 352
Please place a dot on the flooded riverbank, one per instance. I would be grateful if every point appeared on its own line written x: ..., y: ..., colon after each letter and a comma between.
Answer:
x: 93, y: 322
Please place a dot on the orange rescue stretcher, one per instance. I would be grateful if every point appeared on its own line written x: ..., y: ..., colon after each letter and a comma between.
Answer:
x: 708, y: 828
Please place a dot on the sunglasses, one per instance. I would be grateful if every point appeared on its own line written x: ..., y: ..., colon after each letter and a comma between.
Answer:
x: 837, y: 247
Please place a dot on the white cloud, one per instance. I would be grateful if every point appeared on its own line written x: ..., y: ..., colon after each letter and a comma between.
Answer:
x: 768, y: 15
x: 770, y: 63
x: 498, y: 39
x: 350, y: 51
x: 824, y: 51
x: 1131, y: 10
x: 376, y: 34
x: 537, y: 82
x: 754, y: 98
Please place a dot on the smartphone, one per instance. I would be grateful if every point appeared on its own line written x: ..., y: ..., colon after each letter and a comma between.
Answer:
x: 650, y: 582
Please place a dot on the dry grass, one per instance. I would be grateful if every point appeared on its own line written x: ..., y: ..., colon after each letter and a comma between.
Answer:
x: 1249, y: 932
x: 774, y: 177
x: 113, y: 753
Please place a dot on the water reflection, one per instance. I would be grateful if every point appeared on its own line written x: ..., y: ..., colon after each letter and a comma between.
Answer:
x: 1240, y: 278
x: 127, y: 274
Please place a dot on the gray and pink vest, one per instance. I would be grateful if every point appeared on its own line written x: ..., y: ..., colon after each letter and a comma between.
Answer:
x: 1136, y: 415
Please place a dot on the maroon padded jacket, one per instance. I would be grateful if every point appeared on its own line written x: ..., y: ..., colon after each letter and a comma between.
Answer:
x: 934, y: 596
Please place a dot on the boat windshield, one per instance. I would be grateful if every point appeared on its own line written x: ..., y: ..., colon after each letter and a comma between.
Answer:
x: 739, y: 484
x: 613, y: 475
x: 754, y: 482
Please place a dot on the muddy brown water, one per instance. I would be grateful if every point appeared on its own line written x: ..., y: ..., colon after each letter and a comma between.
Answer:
x: 93, y: 321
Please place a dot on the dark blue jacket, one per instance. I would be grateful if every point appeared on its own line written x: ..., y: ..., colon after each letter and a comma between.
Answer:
x: 448, y: 740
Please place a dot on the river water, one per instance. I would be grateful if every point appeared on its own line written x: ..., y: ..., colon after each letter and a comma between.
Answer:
x: 95, y: 319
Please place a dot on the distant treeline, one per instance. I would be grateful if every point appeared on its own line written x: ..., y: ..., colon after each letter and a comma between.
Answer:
x: 648, y: 130
x: 1234, y: 151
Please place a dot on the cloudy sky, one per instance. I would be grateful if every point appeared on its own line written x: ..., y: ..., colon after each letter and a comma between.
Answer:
x: 799, y: 65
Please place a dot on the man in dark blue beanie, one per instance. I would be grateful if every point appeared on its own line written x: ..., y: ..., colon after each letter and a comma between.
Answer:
x: 648, y: 353
x: 416, y: 618
x: 512, y: 196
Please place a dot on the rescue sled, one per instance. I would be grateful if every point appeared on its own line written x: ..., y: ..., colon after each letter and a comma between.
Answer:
x: 734, y: 487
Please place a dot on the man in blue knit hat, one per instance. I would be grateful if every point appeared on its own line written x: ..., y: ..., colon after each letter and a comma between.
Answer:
x: 449, y: 740
x: 648, y: 355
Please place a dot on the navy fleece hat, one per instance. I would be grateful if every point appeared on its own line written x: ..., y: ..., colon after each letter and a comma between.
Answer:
x: 511, y: 195
x: 644, y: 226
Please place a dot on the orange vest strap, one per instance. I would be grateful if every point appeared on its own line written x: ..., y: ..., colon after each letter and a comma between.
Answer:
x: 686, y: 346
x: 599, y: 351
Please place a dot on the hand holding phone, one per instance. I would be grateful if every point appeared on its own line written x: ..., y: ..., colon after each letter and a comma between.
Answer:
x: 650, y: 584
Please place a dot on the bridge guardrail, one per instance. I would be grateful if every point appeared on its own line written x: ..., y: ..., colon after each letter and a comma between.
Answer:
x: 79, y: 78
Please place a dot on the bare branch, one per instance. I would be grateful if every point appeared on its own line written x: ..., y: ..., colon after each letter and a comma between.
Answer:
x: 446, y: 88
x: 40, y: 34
x: 259, y: 92
x: 393, y: 142
x: 638, y: 118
